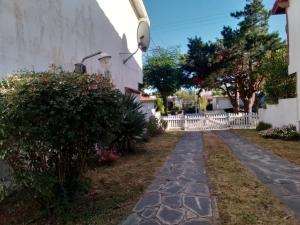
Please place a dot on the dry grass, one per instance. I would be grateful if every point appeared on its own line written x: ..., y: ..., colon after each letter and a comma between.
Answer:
x: 115, y: 189
x: 289, y: 150
x: 241, y: 199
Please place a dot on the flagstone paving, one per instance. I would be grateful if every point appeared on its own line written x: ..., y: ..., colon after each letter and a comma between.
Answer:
x: 282, y: 177
x: 180, y: 194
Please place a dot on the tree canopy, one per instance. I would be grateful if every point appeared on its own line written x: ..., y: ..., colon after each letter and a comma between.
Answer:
x: 162, y: 71
x: 235, y: 62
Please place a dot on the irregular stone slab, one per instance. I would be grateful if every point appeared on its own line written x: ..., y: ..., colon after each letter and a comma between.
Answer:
x: 150, y: 222
x: 133, y: 219
x: 199, y: 205
x: 182, y: 178
x: 281, y: 176
x: 149, y: 200
x: 197, y: 189
x: 197, y: 222
x: 172, y: 201
x: 149, y: 213
x: 169, y: 216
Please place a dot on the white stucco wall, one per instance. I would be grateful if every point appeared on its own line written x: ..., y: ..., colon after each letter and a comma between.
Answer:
x: 35, y: 34
x: 220, y: 103
x: 283, y: 113
x: 294, y: 47
x: 294, y: 36
x: 148, y: 108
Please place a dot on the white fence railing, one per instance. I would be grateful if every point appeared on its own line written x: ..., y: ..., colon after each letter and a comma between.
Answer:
x: 212, y: 121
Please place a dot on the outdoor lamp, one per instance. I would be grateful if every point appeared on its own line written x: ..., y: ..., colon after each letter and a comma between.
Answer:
x: 81, y: 68
x: 105, y: 63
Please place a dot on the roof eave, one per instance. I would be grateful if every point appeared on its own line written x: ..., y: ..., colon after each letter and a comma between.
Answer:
x: 140, y: 10
x: 280, y: 7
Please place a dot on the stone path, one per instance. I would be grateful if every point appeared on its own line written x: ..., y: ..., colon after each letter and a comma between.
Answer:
x: 282, y: 177
x: 180, y: 194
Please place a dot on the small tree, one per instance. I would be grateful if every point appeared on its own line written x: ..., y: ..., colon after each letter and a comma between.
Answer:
x: 278, y: 83
x: 162, y: 72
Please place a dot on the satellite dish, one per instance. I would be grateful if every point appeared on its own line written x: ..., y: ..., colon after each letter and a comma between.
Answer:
x: 143, y: 35
x: 143, y: 38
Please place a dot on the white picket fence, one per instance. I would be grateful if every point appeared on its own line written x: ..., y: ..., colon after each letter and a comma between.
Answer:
x: 199, y: 122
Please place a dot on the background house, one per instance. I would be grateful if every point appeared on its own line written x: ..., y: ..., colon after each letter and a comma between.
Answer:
x: 287, y: 111
x: 35, y: 34
x: 148, y: 105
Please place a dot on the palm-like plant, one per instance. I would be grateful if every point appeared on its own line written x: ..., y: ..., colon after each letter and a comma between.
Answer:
x: 132, y: 125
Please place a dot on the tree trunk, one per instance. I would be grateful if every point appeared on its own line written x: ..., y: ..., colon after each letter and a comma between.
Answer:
x: 165, y: 101
x: 236, y: 106
x: 248, y: 103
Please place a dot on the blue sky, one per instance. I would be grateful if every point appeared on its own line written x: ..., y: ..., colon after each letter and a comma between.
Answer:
x: 173, y: 21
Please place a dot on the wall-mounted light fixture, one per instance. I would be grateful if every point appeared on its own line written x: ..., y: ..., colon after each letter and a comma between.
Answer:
x: 104, y: 59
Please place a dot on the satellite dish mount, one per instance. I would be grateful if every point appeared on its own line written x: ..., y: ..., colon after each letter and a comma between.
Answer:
x: 143, y: 39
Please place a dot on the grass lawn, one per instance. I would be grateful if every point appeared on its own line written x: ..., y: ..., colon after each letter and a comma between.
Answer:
x: 115, y: 189
x: 241, y: 199
x: 289, y: 150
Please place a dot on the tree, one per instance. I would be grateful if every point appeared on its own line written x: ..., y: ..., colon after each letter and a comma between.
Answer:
x: 199, y: 64
x: 278, y: 83
x: 235, y: 62
x: 248, y: 46
x: 162, y: 72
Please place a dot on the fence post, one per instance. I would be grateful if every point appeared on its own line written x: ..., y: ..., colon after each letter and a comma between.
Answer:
x: 228, y: 121
x: 185, y: 122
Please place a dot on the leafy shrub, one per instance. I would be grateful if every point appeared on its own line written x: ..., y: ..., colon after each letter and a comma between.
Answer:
x: 132, y: 124
x: 159, y: 104
x: 263, y: 126
x: 156, y: 126
x: 288, y: 133
x: 153, y: 126
x: 49, y: 125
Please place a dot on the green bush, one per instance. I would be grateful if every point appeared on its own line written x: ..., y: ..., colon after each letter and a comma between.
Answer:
x: 156, y: 126
x: 132, y: 125
x: 287, y: 133
x: 159, y: 104
x: 49, y: 125
x: 263, y: 126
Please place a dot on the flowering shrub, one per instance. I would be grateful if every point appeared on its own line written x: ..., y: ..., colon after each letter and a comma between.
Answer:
x: 107, y: 156
x: 285, y: 133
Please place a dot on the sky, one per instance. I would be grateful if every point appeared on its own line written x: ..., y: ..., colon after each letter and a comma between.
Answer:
x: 174, y: 21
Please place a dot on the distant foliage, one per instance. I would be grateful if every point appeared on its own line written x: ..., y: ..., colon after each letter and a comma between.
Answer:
x: 279, y: 84
x: 287, y: 133
x: 263, y: 126
x: 159, y: 104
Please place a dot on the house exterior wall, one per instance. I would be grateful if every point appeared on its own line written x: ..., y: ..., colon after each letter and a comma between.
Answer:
x: 221, y: 103
x: 148, y: 108
x: 294, y: 46
x: 35, y: 34
x: 283, y: 113
x: 294, y: 36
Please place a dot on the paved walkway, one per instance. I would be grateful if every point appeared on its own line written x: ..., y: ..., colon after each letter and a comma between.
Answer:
x: 282, y: 177
x: 180, y: 194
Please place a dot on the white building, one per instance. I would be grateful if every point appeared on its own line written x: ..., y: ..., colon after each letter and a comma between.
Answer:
x: 35, y: 34
x: 148, y: 105
x: 288, y: 110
